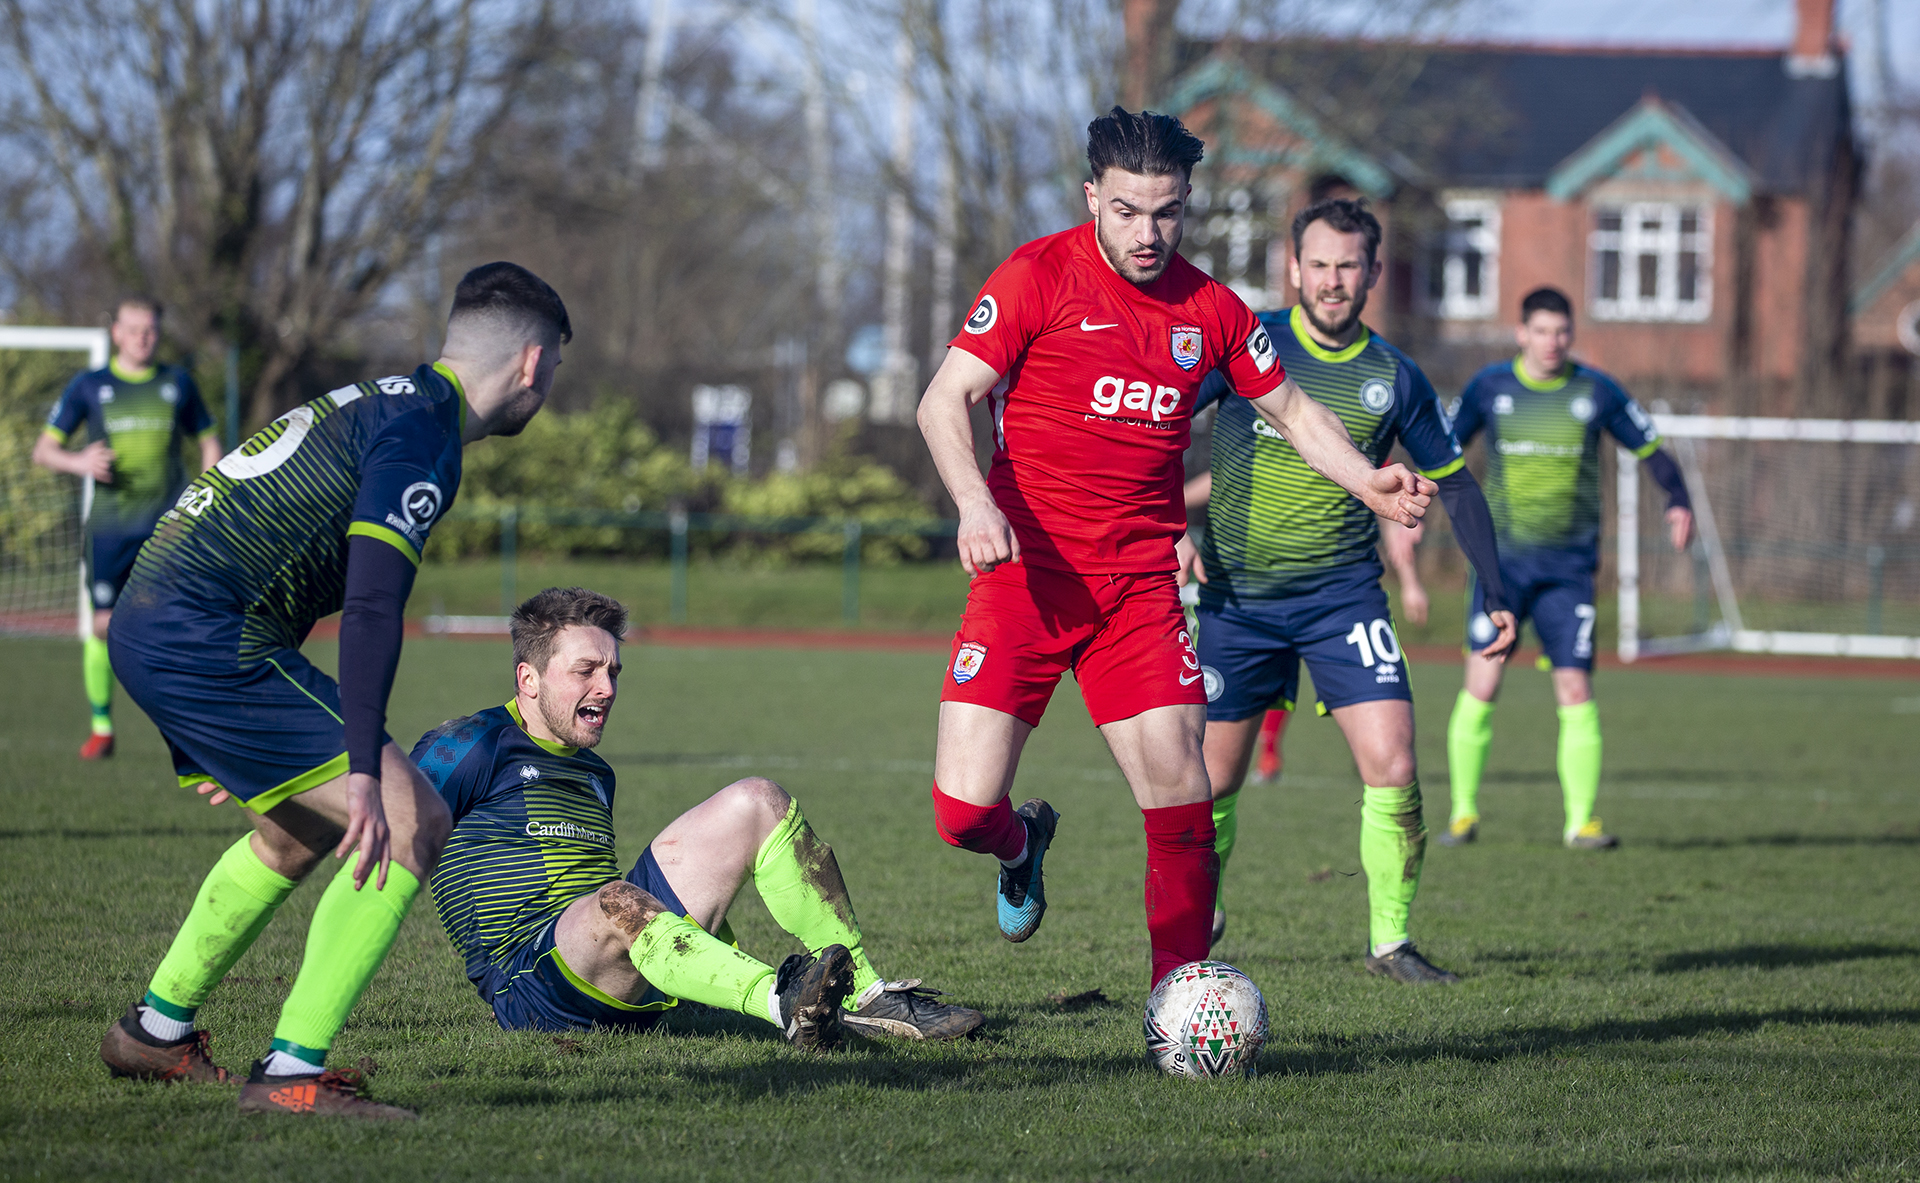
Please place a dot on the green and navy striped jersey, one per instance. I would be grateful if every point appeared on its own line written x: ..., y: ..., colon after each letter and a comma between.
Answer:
x: 532, y: 831
x: 143, y: 417
x: 1274, y: 525
x: 1543, y: 450
x: 263, y: 534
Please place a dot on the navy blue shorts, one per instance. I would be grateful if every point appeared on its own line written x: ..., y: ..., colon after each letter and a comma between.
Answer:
x: 1250, y: 649
x: 109, y: 561
x: 263, y: 733
x: 1555, y: 590
x: 537, y: 991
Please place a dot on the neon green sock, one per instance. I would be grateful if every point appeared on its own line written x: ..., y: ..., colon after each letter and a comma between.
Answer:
x: 1393, y: 845
x: 683, y: 960
x: 1469, y: 735
x: 349, y: 938
x: 799, y: 881
x: 97, y: 671
x: 1226, y: 828
x: 1579, y: 762
x: 236, y: 900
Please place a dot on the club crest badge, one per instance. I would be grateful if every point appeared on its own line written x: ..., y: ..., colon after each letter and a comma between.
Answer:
x: 968, y: 661
x: 1376, y: 395
x: 1186, y: 346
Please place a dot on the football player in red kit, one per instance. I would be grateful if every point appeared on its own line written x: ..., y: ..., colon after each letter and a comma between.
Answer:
x: 1092, y: 344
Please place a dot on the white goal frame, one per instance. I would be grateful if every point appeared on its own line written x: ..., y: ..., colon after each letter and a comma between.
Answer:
x: 1730, y: 633
x: 98, y: 347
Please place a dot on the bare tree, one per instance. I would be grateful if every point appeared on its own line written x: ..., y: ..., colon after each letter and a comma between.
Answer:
x: 264, y: 166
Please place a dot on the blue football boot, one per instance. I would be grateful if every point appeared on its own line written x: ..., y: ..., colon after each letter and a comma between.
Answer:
x: 1022, y: 900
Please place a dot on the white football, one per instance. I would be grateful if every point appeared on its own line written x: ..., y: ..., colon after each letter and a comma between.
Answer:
x: 1206, y: 1019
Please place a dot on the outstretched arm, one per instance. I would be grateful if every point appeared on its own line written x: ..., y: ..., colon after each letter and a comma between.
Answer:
x: 379, y: 579
x: 1394, y: 492
x: 986, y: 538
x: 1473, y: 530
x: 1666, y: 473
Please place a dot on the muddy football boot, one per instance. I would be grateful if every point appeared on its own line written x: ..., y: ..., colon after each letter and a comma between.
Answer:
x: 1460, y: 832
x: 338, y: 1092
x: 1021, y: 899
x: 810, y: 991
x: 908, y: 1010
x: 1406, y: 965
x: 129, y: 1050
x: 1591, y: 837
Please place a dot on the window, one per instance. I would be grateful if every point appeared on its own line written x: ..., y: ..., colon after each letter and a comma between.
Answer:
x: 1228, y: 232
x: 1651, y: 262
x: 1463, y: 268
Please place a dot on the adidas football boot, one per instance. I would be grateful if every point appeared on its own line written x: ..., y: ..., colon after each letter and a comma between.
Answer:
x: 130, y: 1050
x: 340, y: 1092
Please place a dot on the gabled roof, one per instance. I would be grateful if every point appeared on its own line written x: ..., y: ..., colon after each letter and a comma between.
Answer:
x: 1653, y: 124
x: 1906, y: 255
x: 1783, y: 130
x: 1546, y: 104
x: 1321, y: 151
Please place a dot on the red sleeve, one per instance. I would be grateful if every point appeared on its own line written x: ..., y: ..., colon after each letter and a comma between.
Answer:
x: 1011, y: 311
x: 1252, y: 365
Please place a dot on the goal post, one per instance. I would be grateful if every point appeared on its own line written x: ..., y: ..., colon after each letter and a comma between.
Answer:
x: 26, y: 596
x: 1805, y: 540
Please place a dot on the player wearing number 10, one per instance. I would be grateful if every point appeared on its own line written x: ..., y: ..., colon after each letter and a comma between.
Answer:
x: 327, y: 508
x: 1289, y: 569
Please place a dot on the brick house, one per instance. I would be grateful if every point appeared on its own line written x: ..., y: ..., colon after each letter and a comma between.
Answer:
x: 1696, y: 204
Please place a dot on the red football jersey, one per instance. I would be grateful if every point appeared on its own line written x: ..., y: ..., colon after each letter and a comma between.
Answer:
x: 1094, y: 406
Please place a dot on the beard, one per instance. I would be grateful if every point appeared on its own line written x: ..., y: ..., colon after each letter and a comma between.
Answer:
x: 519, y: 412
x: 1120, y: 255
x: 562, y: 721
x: 1356, y: 304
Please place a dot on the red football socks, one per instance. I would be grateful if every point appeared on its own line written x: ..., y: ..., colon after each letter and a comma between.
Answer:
x: 987, y: 829
x: 1272, y: 726
x: 1183, y: 875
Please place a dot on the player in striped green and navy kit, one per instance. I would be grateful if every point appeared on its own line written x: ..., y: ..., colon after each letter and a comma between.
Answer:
x: 557, y: 939
x: 1290, y: 570
x: 326, y: 510
x: 1543, y: 415
x: 136, y: 414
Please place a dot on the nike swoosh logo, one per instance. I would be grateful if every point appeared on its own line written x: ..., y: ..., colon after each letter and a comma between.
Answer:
x: 1185, y: 681
x: 1088, y: 328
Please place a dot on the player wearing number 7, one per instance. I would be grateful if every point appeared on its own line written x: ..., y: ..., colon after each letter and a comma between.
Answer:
x: 1543, y: 414
x: 1289, y: 569
x: 327, y: 507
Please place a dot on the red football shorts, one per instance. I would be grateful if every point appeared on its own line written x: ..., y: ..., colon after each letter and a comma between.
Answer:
x: 1124, y: 637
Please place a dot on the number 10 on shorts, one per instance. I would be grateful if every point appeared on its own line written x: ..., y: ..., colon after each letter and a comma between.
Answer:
x: 1376, y: 642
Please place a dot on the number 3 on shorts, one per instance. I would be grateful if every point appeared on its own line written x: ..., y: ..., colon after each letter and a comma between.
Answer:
x: 1375, y: 640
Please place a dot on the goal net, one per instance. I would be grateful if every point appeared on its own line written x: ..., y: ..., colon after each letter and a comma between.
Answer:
x: 1806, y: 540
x: 42, y: 514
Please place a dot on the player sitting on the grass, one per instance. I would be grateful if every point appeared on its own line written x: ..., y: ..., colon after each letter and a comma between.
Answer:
x: 327, y: 508
x: 1289, y: 569
x: 556, y: 940
x: 1543, y: 414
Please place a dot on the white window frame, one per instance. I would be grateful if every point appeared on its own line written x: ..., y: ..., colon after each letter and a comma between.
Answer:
x: 1473, y: 226
x: 1651, y: 230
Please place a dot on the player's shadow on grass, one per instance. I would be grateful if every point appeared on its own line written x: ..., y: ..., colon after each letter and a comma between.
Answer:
x: 1777, y: 956
x: 1335, y: 1054
x: 1810, y: 840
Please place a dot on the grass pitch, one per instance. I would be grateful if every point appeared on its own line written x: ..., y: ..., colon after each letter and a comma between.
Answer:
x: 1735, y: 993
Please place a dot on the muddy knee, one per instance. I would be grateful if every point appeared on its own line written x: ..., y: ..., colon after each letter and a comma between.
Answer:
x: 759, y: 795
x: 627, y: 907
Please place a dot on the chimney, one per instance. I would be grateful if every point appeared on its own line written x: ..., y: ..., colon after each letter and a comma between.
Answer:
x: 1813, y: 53
x: 1147, y: 56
